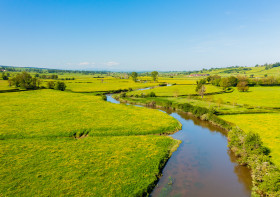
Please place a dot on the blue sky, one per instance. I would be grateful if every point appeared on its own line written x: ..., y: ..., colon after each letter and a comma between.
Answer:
x: 139, y: 35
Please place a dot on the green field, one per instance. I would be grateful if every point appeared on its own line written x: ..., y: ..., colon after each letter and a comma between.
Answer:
x: 176, y: 90
x: 257, y: 96
x: 256, y: 71
x: 61, y: 143
x: 108, y: 84
x: 62, y: 114
x: 178, y: 80
x: 4, y: 85
x: 266, y: 125
x: 92, y: 166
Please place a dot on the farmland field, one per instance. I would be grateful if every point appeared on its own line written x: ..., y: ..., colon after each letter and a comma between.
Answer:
x: 92, y: 166
x: 64, y: 143
x: 176, y: 90
x: 61, y: 114
x: 106, y: 84
x: 257, y: 96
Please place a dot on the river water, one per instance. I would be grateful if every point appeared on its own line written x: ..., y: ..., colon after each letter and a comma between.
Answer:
x: 202, y: 166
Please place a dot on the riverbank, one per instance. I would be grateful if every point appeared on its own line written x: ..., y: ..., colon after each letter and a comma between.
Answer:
x: 248, y: 147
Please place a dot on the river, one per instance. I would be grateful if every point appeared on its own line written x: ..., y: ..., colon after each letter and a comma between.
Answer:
x: 202, y: 165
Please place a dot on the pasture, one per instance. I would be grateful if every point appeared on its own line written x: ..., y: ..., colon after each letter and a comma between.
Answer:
x: 176, y: 90
x: 101, y: 85
x: 92, y: 166
x: 257, y: 97
x: 62, y: 143
x: 50, y: 113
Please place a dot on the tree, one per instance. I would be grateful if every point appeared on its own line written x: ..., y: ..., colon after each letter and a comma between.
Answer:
x: 50, y: 85
x: 154, y: 75
x: 134, y: 76
x: 224, y: 83
x: 242, y: 86
x: 5, y: 76
x: 25, y: 80
x: 200, y: 89
x: 232, y: 81
x: 60, y: 86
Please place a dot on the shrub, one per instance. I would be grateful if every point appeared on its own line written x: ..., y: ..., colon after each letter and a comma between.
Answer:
x: 60, y: 86
x: 151, y: 94
x: 162, y: 84
x: 242, y: 86
x: 50, y: 85
x: 123, y: 95
x: 104, y: 97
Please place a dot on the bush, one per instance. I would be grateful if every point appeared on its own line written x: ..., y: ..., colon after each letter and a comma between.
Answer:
x: 123, y: 95
x: 50, y: 85
x: 60, y: 86
x: 242, y: 86
x: 151, y: 94
x: 104, y: 97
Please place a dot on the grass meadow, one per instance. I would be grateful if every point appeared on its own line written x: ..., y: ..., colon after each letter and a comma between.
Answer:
x: 56, y: 143
x: 92, y: 166
x: 4, y: 85
x: 257, y: 96
x: 176, y: 90
x: 266, y: 125
x: 105, y: 84
x: 50, y: 113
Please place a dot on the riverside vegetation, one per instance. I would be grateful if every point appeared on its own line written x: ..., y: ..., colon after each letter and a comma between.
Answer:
x: 60, y: 142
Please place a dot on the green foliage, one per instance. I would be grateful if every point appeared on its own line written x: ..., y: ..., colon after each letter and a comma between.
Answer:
x: 123, y: 95
x: 154, y: 75
x: 242, y: 86
x: 25, y: 81
x: 250, y: 150
x: 200, y: 88
x: 5, y: 76
x: 50, y: 84
x: 134, y: 76
x: 59, y: 85
x: 151, y: 94
x: 104, y: 97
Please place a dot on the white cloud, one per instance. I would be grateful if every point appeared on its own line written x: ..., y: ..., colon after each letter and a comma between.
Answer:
x: 84, y: 64
x: 112, y: 63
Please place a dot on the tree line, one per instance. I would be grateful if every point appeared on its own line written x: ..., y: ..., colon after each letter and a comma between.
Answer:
x: 25, y: 81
